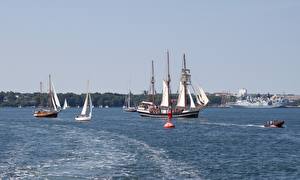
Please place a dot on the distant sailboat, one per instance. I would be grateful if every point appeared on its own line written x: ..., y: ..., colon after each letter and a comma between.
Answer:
x: 128, y: 107
x: 66, y: 106
x: 57, y: 103
x: 53, y: 106
x: 86, y: 113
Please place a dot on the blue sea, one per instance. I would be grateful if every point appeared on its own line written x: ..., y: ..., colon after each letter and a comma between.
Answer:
x: 220, y: 144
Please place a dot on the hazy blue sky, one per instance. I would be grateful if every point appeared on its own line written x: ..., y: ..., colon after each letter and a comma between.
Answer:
x: 253, y: 44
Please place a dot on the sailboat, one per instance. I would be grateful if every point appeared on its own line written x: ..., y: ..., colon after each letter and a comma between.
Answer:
x: 128, y: 107
x: 53, y: 106
x: 86, y: 113
x: 186, y: 107
x: 66, y: 106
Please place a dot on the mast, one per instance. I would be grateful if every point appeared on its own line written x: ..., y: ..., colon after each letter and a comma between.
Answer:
x: 129, y: 99
x: 152, y: 83
x: 50, y: 92
x: 185, y: 80
x: 41, y: 93
x: 169, y: 77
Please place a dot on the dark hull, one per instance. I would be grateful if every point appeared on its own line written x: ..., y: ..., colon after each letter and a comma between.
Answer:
x: 43, y: 114
x: 191, y: 114
x: 274, y: 124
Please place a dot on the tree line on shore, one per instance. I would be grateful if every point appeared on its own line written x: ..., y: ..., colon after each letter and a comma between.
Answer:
x: 16, y: 99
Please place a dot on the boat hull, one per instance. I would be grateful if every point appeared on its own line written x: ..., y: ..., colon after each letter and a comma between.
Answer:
x: 274, y: 124
x: 129, y: 110
x: 45, y: 114
x: 187, y: 114
x: 83, y: 118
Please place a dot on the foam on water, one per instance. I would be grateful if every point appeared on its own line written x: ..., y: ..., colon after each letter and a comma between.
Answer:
x: 230, y: 124
x: 93, y: 153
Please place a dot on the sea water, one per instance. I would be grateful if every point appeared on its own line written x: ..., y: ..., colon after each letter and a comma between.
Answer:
x: 220, y: 144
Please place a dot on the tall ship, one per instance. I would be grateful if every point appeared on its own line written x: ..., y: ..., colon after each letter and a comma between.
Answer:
x: 53, y: 106
x: 185, y: 107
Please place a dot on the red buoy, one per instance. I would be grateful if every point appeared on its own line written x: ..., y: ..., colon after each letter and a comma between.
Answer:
x: 169, y: 124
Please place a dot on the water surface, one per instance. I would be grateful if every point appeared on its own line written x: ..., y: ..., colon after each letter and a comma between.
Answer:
x: 220, y: 144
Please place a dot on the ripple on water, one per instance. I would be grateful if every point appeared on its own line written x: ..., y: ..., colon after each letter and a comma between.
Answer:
x: 73, y: 152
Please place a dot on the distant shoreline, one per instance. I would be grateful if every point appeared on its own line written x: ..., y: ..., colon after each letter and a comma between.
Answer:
x: 17, y: 99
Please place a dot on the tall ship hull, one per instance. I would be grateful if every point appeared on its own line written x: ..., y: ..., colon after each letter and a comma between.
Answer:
x: 183, y: 114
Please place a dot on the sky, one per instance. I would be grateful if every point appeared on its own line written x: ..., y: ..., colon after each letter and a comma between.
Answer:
x: 228, y: 44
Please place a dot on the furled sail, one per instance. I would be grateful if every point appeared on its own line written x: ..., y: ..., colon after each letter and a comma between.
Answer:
x: 165, y: 97
x: 56, y: 100
x: 181, y: 98
x: 201, y: 97
x: 191, y: 99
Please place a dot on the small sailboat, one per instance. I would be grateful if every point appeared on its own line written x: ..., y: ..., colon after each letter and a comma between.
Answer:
x: 53, y: 106
x: 66, y: 106
x: 86, y: 113
x: 128, y: 107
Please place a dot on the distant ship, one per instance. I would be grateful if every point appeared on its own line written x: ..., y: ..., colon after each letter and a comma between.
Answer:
x: 127, y: 107
x: 53, y: 106
x: 186, y: 106
x: 260, y: 102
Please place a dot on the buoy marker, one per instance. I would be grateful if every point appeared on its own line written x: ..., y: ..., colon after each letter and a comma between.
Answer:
x: 169, y: 124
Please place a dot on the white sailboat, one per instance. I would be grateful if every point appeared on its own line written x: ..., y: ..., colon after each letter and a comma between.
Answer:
x: 86, y: 113
x: 66, y: 106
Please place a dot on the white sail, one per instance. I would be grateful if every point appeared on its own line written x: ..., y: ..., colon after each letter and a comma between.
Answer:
x: 181, y: 98
x: 201, y: 97
x: 165, y: 96
x: 65, y: 104
x: 91, y: 105
x: 53, y: 103
x: 191, y: 99
x: 56, y: 100
x: 85, y: 106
